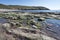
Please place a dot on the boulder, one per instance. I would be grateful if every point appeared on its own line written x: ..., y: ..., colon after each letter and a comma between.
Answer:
x: 6, y: 25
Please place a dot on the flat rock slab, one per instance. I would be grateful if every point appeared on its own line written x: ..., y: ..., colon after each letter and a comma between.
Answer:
x: 27, y: 34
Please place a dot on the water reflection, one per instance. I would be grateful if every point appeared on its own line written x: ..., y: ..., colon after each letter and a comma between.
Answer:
x: 2, y: 20
x: 53, y: 25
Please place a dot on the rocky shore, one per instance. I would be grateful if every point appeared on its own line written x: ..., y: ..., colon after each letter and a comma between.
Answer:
x: 22, y: 27
x: 21, y: 33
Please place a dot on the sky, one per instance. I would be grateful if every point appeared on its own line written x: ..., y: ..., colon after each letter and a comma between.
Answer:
x: 51, y: 4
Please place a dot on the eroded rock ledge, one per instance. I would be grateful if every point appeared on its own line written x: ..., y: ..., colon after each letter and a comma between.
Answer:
x: 20, y: 33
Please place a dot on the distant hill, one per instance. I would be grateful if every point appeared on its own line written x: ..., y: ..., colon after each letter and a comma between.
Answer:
x: 2, y: 6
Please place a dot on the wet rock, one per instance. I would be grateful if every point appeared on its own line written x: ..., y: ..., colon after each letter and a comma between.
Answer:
x: 42, y: 19
x: 33, y: 26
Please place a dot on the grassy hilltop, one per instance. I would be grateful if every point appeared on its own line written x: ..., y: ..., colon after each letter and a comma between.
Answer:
x: 23, y: 7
